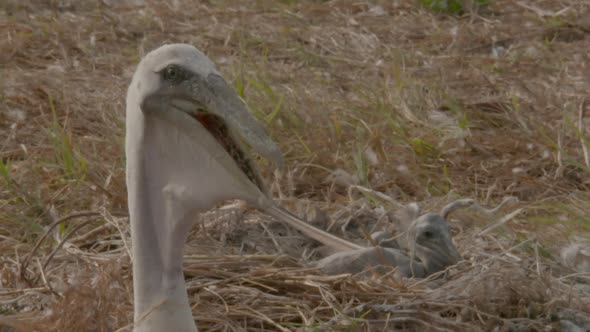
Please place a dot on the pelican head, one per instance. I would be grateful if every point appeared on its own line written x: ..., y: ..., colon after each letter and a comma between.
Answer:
x: 177, y: 88
x: 430, y: 240
x: 176, y: 81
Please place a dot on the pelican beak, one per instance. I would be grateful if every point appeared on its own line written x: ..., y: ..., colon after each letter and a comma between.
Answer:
x: 444, y: 251
x: 218, y: 99
x: 453, y: 254
x: 211, y: 101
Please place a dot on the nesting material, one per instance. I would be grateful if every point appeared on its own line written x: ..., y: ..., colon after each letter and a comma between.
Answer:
x: 576, y: 255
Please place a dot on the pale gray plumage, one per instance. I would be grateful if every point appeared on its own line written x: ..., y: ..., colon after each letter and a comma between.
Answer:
x: 369, y: 260
x: 184, y: 156
x: 383, y: 239
x: 427, y: 240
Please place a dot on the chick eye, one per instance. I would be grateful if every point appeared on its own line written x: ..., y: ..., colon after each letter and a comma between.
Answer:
x: 172, y: 73
x: 428, y: 234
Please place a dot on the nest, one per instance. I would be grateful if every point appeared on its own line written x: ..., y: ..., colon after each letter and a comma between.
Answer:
x: 239, y: 280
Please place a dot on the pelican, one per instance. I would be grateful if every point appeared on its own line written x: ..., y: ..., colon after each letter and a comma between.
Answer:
x: 186, y: 132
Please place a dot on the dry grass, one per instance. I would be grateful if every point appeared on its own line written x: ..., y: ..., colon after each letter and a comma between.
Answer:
x: 418, y: 106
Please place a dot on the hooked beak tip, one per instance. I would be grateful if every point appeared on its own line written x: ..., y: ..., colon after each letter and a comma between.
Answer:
x: 227, y: 104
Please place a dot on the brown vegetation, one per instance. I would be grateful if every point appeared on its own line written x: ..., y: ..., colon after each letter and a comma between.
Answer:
x: 380, y: 94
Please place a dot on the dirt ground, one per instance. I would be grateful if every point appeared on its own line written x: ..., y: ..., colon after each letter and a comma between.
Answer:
x: 375, y: 104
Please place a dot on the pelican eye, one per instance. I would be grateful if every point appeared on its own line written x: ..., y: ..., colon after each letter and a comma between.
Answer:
x: 428, y: 234
x: 172, y: 73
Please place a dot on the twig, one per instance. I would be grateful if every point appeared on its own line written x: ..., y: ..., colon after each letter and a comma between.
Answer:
x: 575, y: 275
x: 272, y: 237
x: 537, y: 263
x: 376, y: 193
x: 87, y: 235
x: 435, y: 275
x: 114, y: 220
x: 490, y: 191
x: 494, y: 211
x: 464, y: 203
x: 455, y: 205
x: 500, y: 222
x: 542, y: 12
x: 23, y: 291
x: 74, y: 215
x: 560, y: 167
x: 504, y: 251
x: 582, y: 131
x: 14, y: 300
x: 45, y: 282
x: 62, y: 242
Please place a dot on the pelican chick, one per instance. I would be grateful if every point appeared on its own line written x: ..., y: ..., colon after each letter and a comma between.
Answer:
x: 428, y: 238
